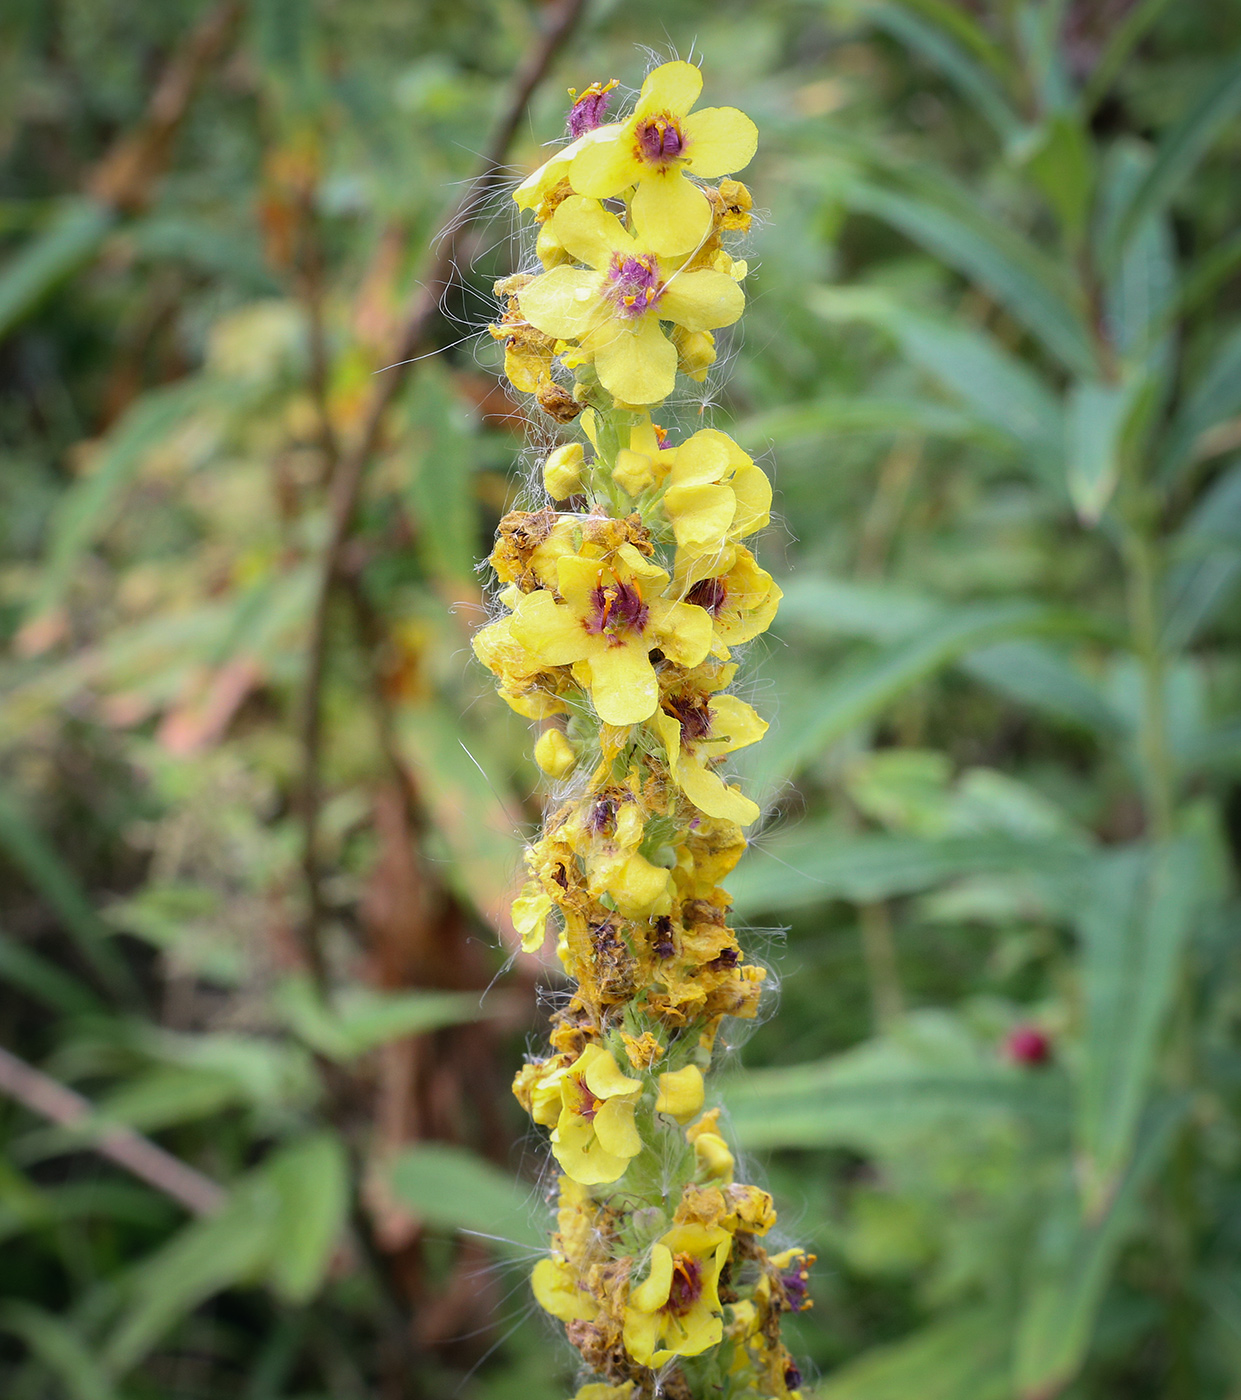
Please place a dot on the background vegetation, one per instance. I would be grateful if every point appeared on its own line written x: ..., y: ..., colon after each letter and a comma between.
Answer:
x: 259, y: 812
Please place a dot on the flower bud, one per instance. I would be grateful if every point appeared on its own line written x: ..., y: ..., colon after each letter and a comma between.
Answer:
x: 562, y: 472
x: 554, y: 754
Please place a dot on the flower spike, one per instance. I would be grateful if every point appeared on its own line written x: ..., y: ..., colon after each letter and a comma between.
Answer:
x: 621, y: 604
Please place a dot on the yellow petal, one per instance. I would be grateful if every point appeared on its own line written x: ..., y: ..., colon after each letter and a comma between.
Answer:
x: 589, y: 232
x: 652, y: 576
x: 680, y: 1093
x: 565, y: 302
x: 622, y: 683
x: 636, y: 363
x: 606, y: 167
x: 530, y: 911
x: 672, y: 87
x: 586, y: 1161
x: 714, y: 1158
x: 702, y: 459
x: 633, y: 472
x: 753, y: 492
x: 685, y: 631
x: 652, y: 1292
x: 670, y: 732
x: 603, y: 1075
x: 670, y: 213
x: 576, y: 578
x: 732, y: 720
x: 710, y: 794
x: 699, y: 301
x: 700, y: 515
x: 615, y: 1129
x: 548, y: 630
x: 557, y: 1292
x: 719, y: 140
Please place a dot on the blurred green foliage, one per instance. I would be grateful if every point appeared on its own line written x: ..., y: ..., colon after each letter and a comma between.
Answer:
x: 993, y: 355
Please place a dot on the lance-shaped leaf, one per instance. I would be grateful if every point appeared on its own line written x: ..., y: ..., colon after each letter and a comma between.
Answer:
x: 457, y: 1190
x: 1011, y: 269
x: 73, y: 239
x: 1179, y: 153
x: 995, y: 386
x: 1072, y: 1268
x: 1136, y: 910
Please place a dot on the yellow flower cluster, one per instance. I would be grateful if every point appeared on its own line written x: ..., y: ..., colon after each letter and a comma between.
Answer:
x: 623, y: 602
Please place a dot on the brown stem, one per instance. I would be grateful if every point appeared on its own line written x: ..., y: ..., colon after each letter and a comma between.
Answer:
x: 126, y: 174
x: 53, y: 1100
x: 346, y: 482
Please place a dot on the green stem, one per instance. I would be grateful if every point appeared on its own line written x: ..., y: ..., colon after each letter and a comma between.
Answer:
x: 1157, y: 769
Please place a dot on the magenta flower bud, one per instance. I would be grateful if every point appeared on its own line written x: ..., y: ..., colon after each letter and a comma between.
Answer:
x: 1027, y: 1045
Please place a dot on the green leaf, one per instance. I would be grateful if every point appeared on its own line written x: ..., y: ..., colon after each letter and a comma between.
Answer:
x: 456, y: 1190
x: 814, y: 717
x: 1120, y: 44
x: 813, y: 864
x: 22, y: 968
x: 861, y: 414
x: 1134, y: 916
x: 1072, y: 1268
x: 86, y: 510
x: 1179, y: 153
x: 205, y: 1257
x: 56, y: 883
x: 969, y: 77
x: 441, y: 452
x: 964, y: 1356
x: 1095, y: 421
x: 51, y: 258
x: 1212, y: 398
x: 998, y: 388
x: 815, y: 605
x: 311, y: 1180
x: 361, y: 1019
x: 1059, y: 156
x: 1141, y: 294
x: 1207, y: 571
x: 1039, y: 675
x: 475, y: 818
x: 62, y: 1349
x: 996, y: 258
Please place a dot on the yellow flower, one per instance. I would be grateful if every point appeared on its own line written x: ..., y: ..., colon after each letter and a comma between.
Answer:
x: 698, y: 729
x: 680, y: 1093
x: 562, y: 472
x: 522, y: 681
x: 715, y: 495
x: 655, y: 149
x: 676, y: 1310
x: 611, y: 619
x: 612, y: 307
x: 741, y: 598
x: 605, y: 832
x: 535, y: 188
x: 595, y: 1136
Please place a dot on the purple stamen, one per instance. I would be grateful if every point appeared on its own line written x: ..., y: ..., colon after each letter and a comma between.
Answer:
x: 634, y: 285
x: 660, y: 141
x: 616, y: 608
x: 589, y: 110
x: 795, y: 1287
x: 708, y: 593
